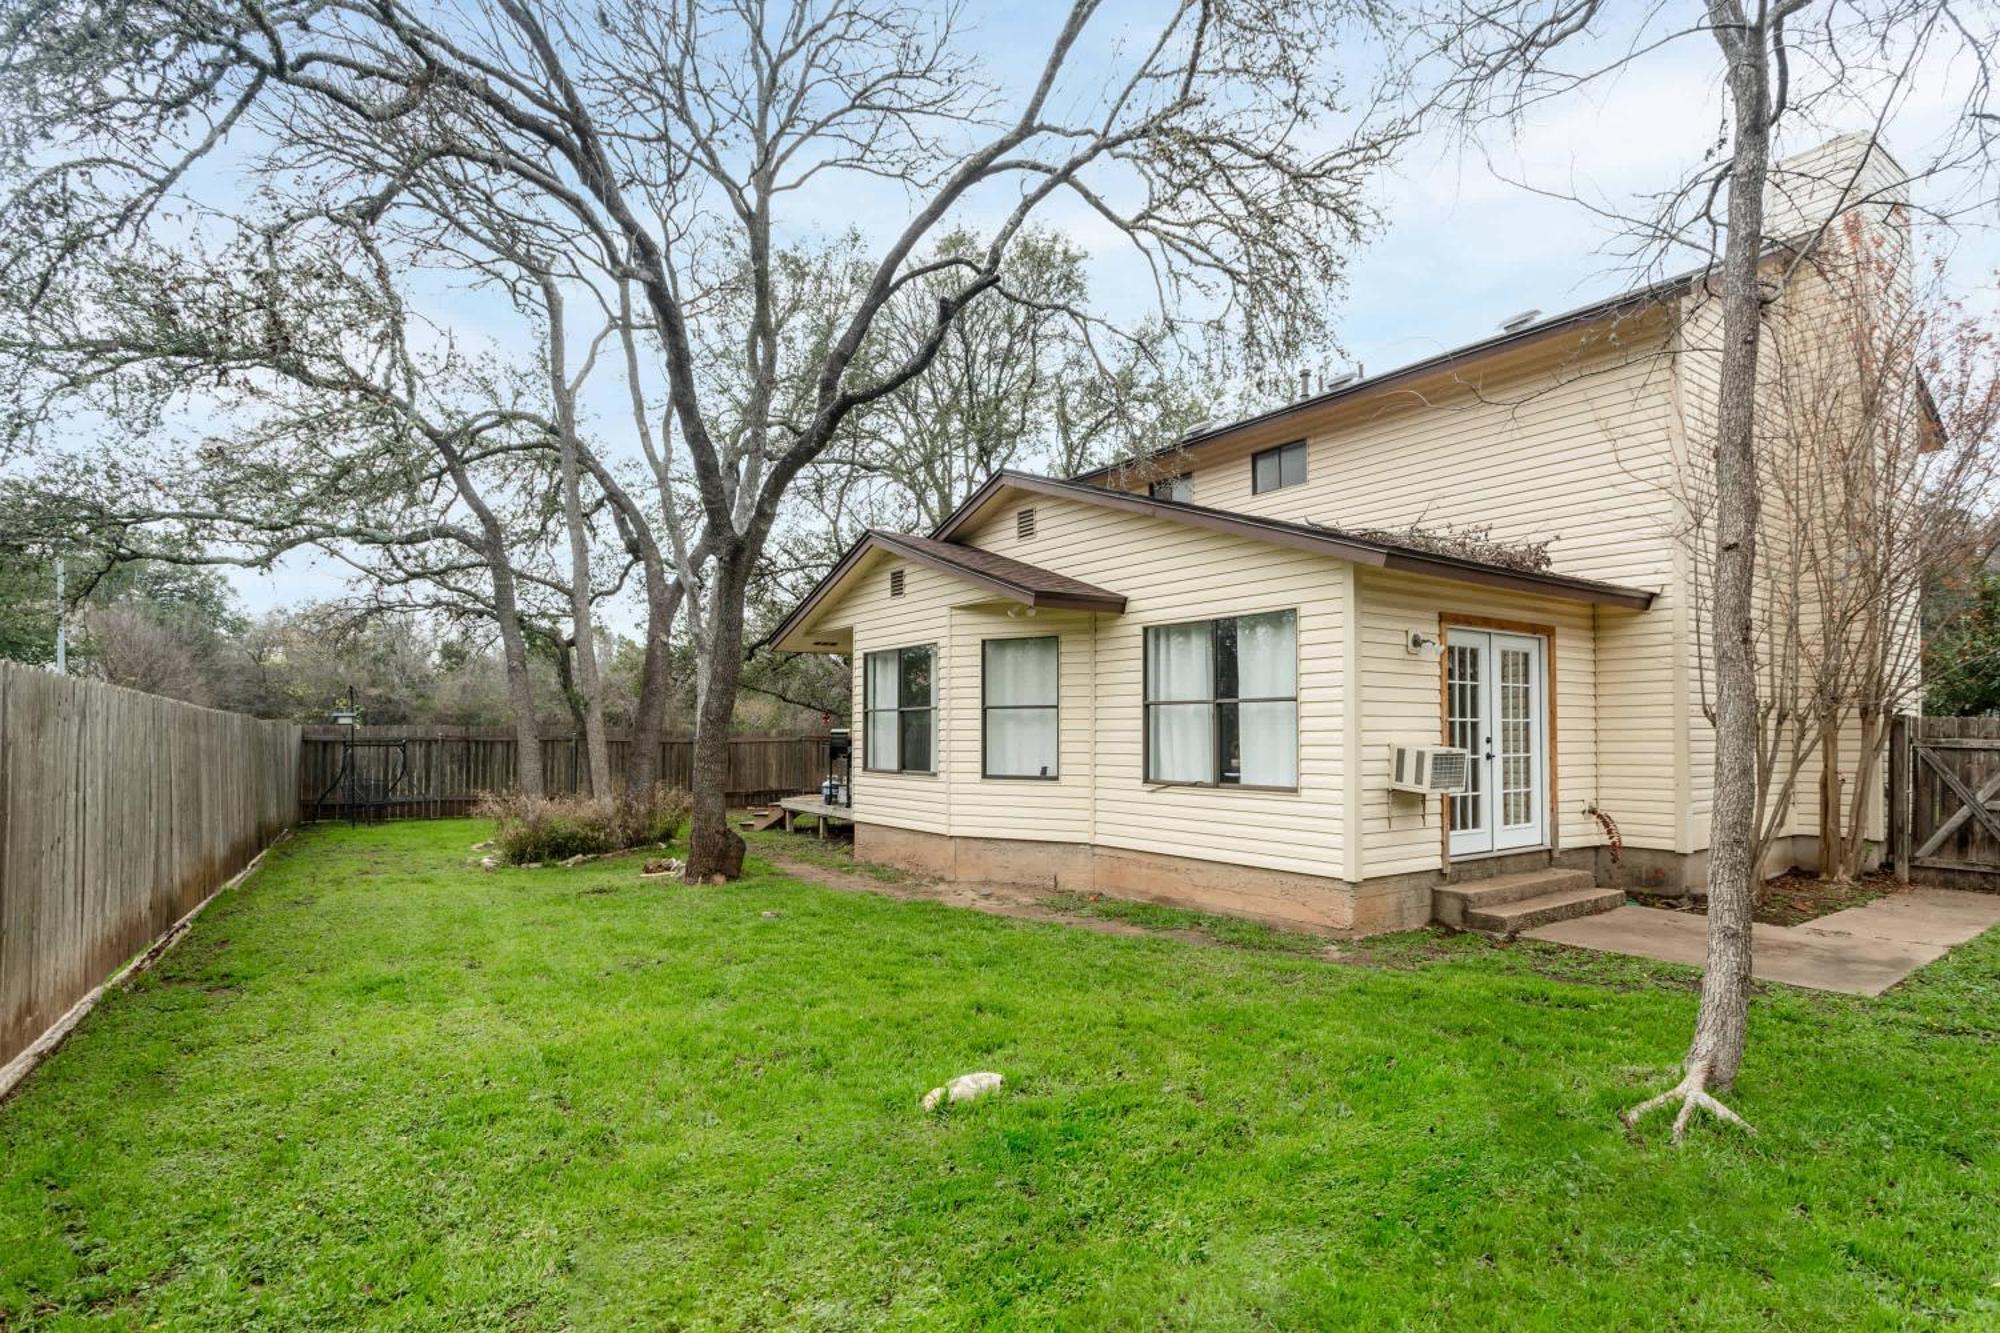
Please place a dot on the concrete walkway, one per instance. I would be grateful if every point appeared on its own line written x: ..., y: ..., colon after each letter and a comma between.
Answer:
x: 1860, y: 951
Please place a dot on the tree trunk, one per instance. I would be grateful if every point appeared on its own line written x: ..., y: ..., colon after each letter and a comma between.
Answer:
x: 528, y: 779
x: 1725, y: 996
x: 642, y: 765
x: 1831, y: 842
x: 589, y: 682
x: 713, y: 847
x: 579, y: 731
x: 520, y: 690
x: 1716, y: 1052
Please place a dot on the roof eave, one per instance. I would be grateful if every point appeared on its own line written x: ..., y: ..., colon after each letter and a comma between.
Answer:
x: 1337, y: 545
x: 1038, y: 598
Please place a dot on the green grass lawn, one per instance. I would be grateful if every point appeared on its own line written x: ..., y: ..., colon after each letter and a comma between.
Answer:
x: 376, y: 1086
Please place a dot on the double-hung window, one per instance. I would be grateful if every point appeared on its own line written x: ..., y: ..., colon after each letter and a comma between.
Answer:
x: 1179, y: 488
x: 1222, y: 701
x: 899, y: 704
x: 1275, y: 469
x: 1019, y: 707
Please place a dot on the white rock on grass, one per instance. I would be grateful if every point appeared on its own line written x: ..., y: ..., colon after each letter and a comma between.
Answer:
x: 963, y: 1089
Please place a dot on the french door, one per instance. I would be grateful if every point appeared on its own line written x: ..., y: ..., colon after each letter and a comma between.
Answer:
x: 1496, y: 712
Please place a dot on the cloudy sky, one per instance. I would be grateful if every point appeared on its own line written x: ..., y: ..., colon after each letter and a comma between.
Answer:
x: 1476, y: 232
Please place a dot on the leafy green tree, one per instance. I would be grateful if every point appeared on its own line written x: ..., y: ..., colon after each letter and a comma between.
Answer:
x: 1962, y: 648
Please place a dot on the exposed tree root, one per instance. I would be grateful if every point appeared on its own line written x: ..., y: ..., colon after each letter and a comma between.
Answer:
x: 1693, y: 1094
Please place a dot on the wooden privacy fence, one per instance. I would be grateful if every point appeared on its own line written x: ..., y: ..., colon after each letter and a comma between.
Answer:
x: 1944, y: 776
x: 120, y: 813
x: 433, y: 772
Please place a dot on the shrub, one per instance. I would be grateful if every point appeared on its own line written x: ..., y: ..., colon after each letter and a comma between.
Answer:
x: 555, y: 828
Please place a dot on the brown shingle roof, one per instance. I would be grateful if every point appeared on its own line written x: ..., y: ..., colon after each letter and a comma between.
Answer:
x: 1359, y: 548
x: 1017, y: 580
x: 1025, y: 582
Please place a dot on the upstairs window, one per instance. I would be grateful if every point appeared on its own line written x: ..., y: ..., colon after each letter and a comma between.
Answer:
x: 1020, y: 688
x: 899, y: 711
x: 1222, y: 703
x: 1179, y: 488
x: 1275, y: 469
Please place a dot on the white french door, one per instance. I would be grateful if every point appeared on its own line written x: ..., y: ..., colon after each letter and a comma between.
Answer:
x: 1495, y: 711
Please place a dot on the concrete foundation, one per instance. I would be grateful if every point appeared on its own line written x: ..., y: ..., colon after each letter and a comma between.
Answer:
x: 1279, y: 898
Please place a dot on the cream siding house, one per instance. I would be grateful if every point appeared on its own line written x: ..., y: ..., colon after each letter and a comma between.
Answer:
x: 1183, y: 681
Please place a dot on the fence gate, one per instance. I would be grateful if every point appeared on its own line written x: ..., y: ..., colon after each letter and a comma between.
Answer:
x: 1945, y: 780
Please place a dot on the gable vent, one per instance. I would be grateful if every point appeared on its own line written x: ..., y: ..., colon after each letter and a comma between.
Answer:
x: 1024, y: 524
x: 895, y: 583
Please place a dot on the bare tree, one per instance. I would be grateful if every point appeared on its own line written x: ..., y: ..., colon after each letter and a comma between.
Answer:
x: 1782, y: 61
x: 688, y: 144
x: 1881, y: 460
x: 345, y: 438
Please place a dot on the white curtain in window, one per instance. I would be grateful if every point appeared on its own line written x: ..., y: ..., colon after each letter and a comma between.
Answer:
x: 1021, y: 742
x: 1269, y: 736
x: 1021, y: 697
x: 1267, y: 656
x: 881, y: 689
x: 1021, y: 671
x: 1179, y: 744
x: 1179, y: 662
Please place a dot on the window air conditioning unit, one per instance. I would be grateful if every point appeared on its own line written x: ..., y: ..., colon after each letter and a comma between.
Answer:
x: 1428, y: 768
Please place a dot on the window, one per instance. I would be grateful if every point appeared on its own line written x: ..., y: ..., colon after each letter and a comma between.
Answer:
x: 1274, y: 469
x: 1019, y: 707
x: 895, y: 583
x: 1222, y: 701
x: 1024, y: 524
x: 1179, y: 488
x: 899, y: 706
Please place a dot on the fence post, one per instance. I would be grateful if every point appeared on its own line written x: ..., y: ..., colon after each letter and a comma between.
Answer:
x: 1899, y: 795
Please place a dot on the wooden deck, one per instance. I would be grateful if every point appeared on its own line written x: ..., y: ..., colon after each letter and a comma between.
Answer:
x: 819, y: 810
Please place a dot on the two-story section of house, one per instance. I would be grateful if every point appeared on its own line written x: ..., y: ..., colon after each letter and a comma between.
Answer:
x: 1184, y: 680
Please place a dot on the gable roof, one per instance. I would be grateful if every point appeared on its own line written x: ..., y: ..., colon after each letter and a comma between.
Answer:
x: 1361, y: 550
x: 1017, y: 580
x: 1623, y: 305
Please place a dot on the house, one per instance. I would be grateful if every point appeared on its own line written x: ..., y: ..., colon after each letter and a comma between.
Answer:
x: 1182, y: 682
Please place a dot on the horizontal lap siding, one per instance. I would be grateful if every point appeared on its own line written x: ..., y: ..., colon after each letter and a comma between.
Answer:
x: 1573, y: 449
x: 922, y: 615
x: 1169, y: 573
x: 1401, y: 704
x: 1053, y: 811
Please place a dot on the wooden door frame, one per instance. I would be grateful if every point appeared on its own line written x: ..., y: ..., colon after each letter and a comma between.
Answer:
x: 1534, y: 629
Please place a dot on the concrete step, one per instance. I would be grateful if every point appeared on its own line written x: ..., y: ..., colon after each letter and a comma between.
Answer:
x: 1511, y: 918
x: 1451, y: 903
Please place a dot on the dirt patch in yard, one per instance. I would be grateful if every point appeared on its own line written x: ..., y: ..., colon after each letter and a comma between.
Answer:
x: 1796, y: 897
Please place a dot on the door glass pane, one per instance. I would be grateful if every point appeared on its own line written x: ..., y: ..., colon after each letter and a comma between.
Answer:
x: 1021, y: 742
x: 1020, y: 671
x: 1178, y: 747
x: 1515, y: 742
x: 1466, y: 727
x: 1178, y: 662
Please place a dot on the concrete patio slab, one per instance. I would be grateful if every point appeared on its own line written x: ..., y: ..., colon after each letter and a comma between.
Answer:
x: 1852, y: 964
x: 1920, y: 916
